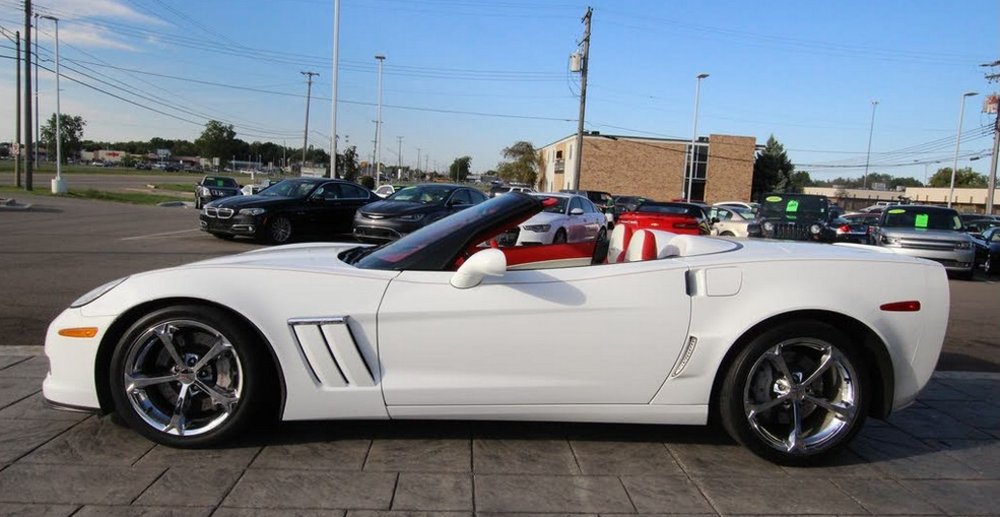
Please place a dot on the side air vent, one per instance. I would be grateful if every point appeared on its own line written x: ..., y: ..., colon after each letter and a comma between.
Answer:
x: 331, y: 352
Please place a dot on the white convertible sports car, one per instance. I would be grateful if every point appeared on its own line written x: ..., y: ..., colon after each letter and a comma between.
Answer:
x: 789, y: 345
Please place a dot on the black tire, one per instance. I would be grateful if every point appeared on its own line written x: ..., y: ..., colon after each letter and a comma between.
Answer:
x: 560, y: 237
x: 279, y: 230
x: 201, y: 356
x: 756, y: 378
x: 602, y: 235
x: 989, y: 266
x: 727, y: 234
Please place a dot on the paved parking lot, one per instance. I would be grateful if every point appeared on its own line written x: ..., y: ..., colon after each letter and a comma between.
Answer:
x: 941, y: 456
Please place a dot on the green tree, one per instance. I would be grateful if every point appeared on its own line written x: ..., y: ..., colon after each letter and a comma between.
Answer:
x: 71, y: 135
x: 964, y: 178
x: 772, y: 170
x: 799, y: 181
x: 523, y: 164
x: 347, y: 163
x: 459, y: 169
x: 218, y: 140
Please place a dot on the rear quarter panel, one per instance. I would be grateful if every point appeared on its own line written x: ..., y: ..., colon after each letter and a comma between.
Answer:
x: 854, y: 288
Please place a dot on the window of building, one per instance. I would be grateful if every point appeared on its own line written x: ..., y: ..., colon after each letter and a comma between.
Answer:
x: 700, y: 171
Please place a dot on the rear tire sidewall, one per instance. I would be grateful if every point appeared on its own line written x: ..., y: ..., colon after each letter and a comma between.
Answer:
x: 256, y: 400
x: 731, y: 410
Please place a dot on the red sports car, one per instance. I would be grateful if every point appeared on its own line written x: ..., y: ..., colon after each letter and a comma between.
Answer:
x: 672, y: 217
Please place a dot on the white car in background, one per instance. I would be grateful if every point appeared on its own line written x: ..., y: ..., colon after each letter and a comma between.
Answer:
x: 730, y: 221
x: 565, y: 218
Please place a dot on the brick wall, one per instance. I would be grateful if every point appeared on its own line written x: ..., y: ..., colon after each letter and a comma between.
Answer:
x: 730, y: 168
x: 648, y: 168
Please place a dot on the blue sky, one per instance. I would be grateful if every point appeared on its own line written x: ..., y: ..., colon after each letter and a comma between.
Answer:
x: 469, y: 77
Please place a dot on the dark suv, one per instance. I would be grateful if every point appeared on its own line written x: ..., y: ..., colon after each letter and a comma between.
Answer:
x: 211, y: 188
x: 795, y: 217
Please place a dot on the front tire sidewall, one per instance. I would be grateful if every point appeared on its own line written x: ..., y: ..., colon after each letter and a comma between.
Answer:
x: 256, y: 399
x: 731, y: 396
x: 276, y: 237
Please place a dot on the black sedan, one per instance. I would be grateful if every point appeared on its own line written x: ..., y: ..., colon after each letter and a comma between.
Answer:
x: 288, y: 209
x: 988, y: 250
x: 412, y: 208
x: 211, y: 188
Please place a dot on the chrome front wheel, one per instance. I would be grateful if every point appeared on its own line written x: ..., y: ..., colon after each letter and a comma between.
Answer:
x: 188, y: 376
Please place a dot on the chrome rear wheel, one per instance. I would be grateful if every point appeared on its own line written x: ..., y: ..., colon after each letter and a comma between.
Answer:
x: 795, y: 394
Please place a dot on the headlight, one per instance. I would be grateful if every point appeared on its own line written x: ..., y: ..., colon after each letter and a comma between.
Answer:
x: 96, y: 293
x: 252, y: 211
x: 963, y: 246
x: 814, y: 229
x: 411, y: 217
x: 202, y: 191
x: 769, y: 226
x: 540, y: 228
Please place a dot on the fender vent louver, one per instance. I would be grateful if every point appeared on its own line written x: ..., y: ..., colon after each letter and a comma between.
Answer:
x: 331, y: 352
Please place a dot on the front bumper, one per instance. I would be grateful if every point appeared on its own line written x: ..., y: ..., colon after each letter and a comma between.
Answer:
x: 387, y: 229
x: 70, y: 382
x: 956, y: 261
x: 236, y: 225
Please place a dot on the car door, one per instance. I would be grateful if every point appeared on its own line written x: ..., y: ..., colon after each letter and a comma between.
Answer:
x: 576, y: 224
x: 352, y: 197
x: 598, y: 334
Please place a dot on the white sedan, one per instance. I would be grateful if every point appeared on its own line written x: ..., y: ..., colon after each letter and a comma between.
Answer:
x: 659, y: 329
x: 730, y: 221
x: 566, y: 218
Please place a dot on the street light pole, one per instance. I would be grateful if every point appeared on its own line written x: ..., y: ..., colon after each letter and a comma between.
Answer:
x: 58, y: 185
x: 958, y: 144
x: 305, y: 132
x: 333, y: 78
x: 868, y: 155
x: 378, y: 122
x: 694, y: 135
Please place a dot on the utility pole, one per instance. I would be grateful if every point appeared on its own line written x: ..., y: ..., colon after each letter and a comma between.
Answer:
x: 17, y: 107
x: 991, y: 189
x: 333, y: 78
x: 399, y: 158
x: 584, y: 66
x: 417, y: 168
x: 868, y: 155
x: 378, y: 122
x: 27, y: 94
x: 305, y: 134
x: 38, y: 118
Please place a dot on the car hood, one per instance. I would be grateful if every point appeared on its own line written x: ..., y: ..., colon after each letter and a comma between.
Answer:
x: 255, y: 201
x: 391, y: 208
x: 294, y: 256
x: 931, y: 235
x: 543, y: 218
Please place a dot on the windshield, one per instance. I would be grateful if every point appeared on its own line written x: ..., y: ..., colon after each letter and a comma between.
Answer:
x: 290, y: 188
x: 791, y: 205
x: 922, y: 218
x: 559, y: 207
x: 669, y: 209
x: 219, y: 182
x: 436, y: 246
x: 428, y: 194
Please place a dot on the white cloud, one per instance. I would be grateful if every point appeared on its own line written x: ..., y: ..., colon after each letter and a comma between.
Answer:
x: 108, y: 9
x: 86, y: 35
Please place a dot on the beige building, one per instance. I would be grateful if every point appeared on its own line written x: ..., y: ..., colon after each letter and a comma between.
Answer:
x: 653, y: 167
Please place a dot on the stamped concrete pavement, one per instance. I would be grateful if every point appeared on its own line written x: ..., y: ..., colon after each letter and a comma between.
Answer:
x: 939, y: 457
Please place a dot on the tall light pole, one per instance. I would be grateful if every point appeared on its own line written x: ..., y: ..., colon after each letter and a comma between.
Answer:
x: 38, y: 123
x: 958, y: 144
x: 58, y: 185
x: 378, y: 121
x: 868, y: 155
x: 399, y: 158
x: 333, y: 78
x: 694, y: 135
x: 305, y: 132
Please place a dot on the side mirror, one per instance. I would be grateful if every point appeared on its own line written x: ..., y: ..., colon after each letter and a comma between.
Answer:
x: 488, y: 262
x: 576, y: 211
